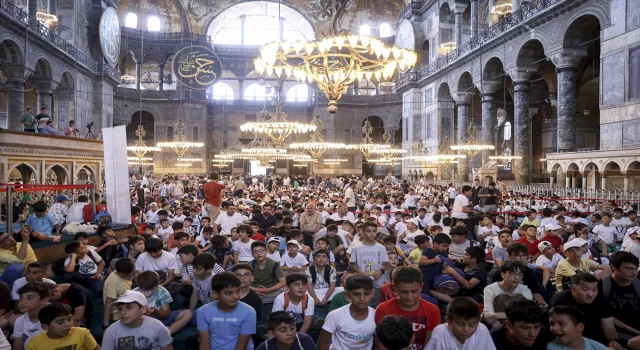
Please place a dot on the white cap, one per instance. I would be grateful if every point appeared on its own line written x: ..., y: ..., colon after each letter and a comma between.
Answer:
x: 273, y: 239
x: 293, y: 241
x: 414, y: 221
x: 575, y: 243
x: 130, y: 296
x: 633, y: 230
x: 551, y: 227
x: 544, y: 245
x: 153, y: 204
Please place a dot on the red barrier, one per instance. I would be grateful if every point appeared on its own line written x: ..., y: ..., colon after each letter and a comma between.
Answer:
x: 35, y: 188
x: 584, y: 199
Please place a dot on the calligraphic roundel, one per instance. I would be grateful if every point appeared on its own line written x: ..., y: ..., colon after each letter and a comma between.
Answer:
x: 110, y: 35
x: 197, y: 67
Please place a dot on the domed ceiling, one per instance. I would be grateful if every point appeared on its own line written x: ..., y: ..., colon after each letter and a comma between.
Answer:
x: 200, y: 13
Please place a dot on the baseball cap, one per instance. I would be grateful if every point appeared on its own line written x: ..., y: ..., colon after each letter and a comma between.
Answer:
x: 633, y: 231
x: 130, y: 296
x: 544, y: 245
x: 273, y: 239
x: 293, y: 241
x: 575, y: 243
x: 62, y: 197
x: 551, y: 227
x: 414, y: 221
x: 153, y: 204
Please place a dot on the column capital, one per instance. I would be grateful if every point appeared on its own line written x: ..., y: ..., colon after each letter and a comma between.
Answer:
x: 463, y: 98
x: 490, y: 86
x: 603, y: 173
x: 567, y: 58
x: 533, y: 111
x: 16, y: 73
x: 460, y: 6
x: 519, y: 75
x: 44, y: 86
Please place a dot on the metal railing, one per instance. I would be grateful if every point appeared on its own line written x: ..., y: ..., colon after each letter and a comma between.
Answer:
x: 123, y: 92
x: 41, y: 31
x: 106, y: 69
x: 505, y: 24
x: 132, y: 32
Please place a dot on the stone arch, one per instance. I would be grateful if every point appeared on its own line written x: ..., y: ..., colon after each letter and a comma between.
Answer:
x: 43, y: 69
x: 588, y: 166
x: 581, y: 30
x: 554, y: 167
x: 493, y: 69
x: 84, y: 168
x: 10, y: 52
x: 531, y: 51
x: 465, y: 82
x: 396, y: 121
x: 61, y: 172
x: 26, y: 171
x: 630, y: 165
x: 611, y: 164
x: 147, y: 120
x: 572, y: 166
x: 425, y: 53
x: 444, y: 92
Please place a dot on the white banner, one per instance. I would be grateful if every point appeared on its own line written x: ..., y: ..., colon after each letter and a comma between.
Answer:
x: 116, y: 173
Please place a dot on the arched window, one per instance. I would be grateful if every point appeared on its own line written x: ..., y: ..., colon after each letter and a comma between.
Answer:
x: 366, y: 87
x: 131, y: 20
x: 365, y: 30
x: 298, y: 93
x: 221, y: 91
x: 507, y: 131
x: 255, y: 92
x: 258, y: 23
x: 153, y: 24
x: 385, y: 30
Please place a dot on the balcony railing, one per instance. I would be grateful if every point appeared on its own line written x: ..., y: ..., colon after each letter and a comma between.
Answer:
x: 109, y: 71
x: 127, y: 93
x: 507, y: 23
x: 41, y: 31
x: 132, y: 32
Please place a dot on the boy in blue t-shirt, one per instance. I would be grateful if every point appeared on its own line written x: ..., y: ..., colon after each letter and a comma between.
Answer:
x: 226, y: 323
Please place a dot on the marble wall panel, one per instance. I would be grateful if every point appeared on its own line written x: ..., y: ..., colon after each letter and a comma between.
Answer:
x: 611, y: 136
x: 613, y: 77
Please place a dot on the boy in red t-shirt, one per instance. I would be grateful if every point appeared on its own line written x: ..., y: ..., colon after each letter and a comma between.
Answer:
x: 530, y: 241
x: 552, y: 235
x: 424, y: 316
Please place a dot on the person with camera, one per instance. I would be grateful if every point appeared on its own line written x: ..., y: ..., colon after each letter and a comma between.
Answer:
x: 70, y: 130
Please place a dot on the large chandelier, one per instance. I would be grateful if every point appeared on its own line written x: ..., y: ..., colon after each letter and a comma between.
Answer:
x: 387, y: 153
x: 276, y: 126
x: 503, y: 9
x: 506, y: 156
x: 367, y: 144
x: 336, y: 61
x: 140, y: 148
x: 180, y: 145
x: 221, y: 163
x: 472, y: 147
x: 317, y: 146
x: 421, y: 158
x: 445, y: 155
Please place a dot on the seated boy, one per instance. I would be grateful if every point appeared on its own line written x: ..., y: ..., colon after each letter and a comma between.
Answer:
x: 322, y: 278
x: 248, y: 296
x: 36, y: 272
x: 186, y: 255
x: 395, y: 332
x: 566, y: 323
x: 323, y: 244
x: 552, y: 235
x: 474, y: 280
x: 293, y: 261
x: 273, y: 246
x: 160, y: 261
x: 109, y: 246
x: 33, y: 297
x: 430, y: 262
x: 84, y: 266
x: 353, y: 325
x: 57, y: 322
x: 463, y: 329
x: 423, y: 243
x: 549, y: 258
x: 132, y: 308
x: 296, y: 301
x: 226, y: 323
x: 204, y: 268
x: 424, y: 316
x: 180, y: 239
x: 282, y: 328
x: 459, y: 243
x: 117, y: 283
x: 158, y: 302
x: 42, y: 224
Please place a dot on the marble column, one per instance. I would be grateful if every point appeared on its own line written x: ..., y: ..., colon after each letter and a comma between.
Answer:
x: 573, y: 179
x: 489, y: 118
x: 522, y: 124
x: 567, y: 182
x: 552, y: 180
x: 603, y: 176
x: 474, y: 17
x: 515, y: 5
x: 625, y: 181
x: 566, y: 62
x: 240, y: 89
x: 463, y: 102
x: 15, y: 96
x: 584, y: 179
x: 459, y: 9
x: 161, y: 76
x: 138, y: 74
x: 32, y: 6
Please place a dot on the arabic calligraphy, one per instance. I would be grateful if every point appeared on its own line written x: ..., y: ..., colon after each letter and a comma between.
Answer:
x: 110, y: 35
x: 197, y: 67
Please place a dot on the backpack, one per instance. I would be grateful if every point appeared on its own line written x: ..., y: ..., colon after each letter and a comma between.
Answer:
x: 327, y: 273
x: 287, y: 298
x: 102, y: 219
x: 606, y: 286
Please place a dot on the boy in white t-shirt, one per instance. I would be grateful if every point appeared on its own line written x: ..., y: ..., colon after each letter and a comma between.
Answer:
x: 549, y: 257
x: 272, y: 249
x: 293, y: 261
x: 607, y: 235
x: 242, y: 247
x: 296, y: 301
x: 488, y: 232
x: 620, y: 223
x: 84, y: 266
x: 164, y: 231
x: 463, y: 315
x: 33, y: 297
x: 351, y: 326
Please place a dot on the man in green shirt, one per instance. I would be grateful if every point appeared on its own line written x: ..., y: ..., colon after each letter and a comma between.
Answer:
x: 28, y: 120
x: 268, y: 278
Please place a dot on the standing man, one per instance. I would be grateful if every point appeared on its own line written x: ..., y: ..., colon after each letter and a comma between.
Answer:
x: 488, y: 197
x: 28, y: 121
x: 310, y: 223
x: 350, y: 197
x: 44, y: 114
x: 475, y: 190
x: 213, y: 195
